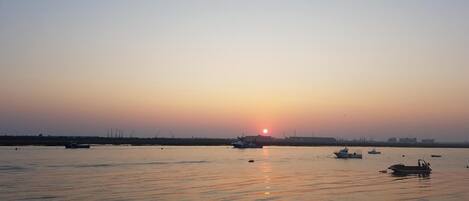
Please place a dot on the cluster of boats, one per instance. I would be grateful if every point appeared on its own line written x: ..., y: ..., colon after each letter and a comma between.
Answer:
x: 344, y: 153
x: 422, y: 167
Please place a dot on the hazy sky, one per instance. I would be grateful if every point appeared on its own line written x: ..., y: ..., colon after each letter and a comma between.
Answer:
x: 218, y: 68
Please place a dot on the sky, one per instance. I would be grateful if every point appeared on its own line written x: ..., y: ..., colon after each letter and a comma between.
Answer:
x: 346, y: 69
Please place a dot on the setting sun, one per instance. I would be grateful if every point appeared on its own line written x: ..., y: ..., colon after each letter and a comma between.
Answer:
x: 265, y: 131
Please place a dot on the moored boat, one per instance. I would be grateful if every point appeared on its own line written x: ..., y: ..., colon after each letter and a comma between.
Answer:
x: 74, y: 145
x: 422, y: 168
x: 436, y: 156
x: 373, y: 151
x: 344, y: 153
x: 241, y: 144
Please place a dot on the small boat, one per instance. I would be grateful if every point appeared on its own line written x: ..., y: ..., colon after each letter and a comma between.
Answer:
x: 344, y: 153
x: 373, y: 151
x: 240, y: 144
x: 74, y: 145
x: 436, y: 156
x: 422, y: 168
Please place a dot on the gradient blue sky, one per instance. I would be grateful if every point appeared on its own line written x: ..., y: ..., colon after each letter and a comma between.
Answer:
x: 215, y: 68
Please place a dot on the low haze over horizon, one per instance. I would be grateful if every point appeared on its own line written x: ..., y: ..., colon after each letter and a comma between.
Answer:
x: 348, y: 69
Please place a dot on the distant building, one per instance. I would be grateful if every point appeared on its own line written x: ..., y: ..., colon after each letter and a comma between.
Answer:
x: 393, y: 139
x: 428, y: 141
x: 407, y: 140
x: 324, y: 140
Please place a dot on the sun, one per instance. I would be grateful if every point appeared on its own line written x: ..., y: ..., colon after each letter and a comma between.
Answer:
x: 265, y: 130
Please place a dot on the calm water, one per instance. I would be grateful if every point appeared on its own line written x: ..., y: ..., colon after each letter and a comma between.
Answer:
x: 223, y: 173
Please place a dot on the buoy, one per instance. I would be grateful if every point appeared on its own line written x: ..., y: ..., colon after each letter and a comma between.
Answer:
x: 251, y: 161
x: 403, y: 155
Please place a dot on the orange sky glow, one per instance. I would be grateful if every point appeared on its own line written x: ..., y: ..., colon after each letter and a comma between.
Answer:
x: 203, y: 69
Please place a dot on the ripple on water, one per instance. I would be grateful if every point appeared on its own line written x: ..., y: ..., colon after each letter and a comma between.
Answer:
x: 125, y: 164
x: 11, y: 168
x: 40, y: 198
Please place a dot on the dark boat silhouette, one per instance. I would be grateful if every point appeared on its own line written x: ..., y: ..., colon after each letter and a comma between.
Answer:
x: 422, y: 168
x: 373, y: 151
x: 435, y: 156
x: 73, y: 145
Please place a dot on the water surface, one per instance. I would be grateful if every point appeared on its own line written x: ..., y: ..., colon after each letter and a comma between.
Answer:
x: 223, y: 173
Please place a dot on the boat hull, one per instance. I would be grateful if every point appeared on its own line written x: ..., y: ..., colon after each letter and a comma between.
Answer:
x: 348, y: 155
x: 402, y: 169
x: 78, y: 146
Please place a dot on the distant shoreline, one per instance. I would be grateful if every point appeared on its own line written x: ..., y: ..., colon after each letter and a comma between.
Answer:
x: 62, y: 140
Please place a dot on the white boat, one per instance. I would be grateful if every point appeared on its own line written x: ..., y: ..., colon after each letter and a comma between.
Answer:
x: 344, y: 153
x: 241, y: 144
x: 373, y: 151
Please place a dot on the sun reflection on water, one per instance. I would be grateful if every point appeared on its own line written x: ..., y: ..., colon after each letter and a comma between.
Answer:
x: 266, y: 169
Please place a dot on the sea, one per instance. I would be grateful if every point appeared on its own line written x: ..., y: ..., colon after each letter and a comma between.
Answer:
x: 225, y: 173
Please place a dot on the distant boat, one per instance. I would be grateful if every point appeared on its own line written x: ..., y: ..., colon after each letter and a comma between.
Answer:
x: 422, y: 168
x: 73, y: 145
x: 436, y: 156
x: 344, y: 153
x: 241, y: 144
x: 373, y: 151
